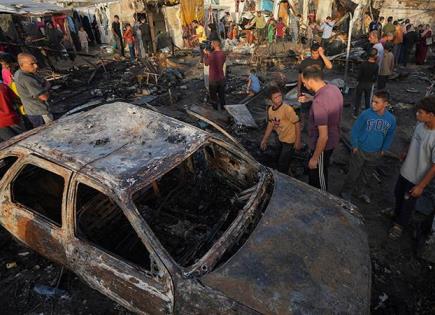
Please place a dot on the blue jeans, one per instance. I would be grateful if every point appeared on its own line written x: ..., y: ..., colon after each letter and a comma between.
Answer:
x: 131, y: 49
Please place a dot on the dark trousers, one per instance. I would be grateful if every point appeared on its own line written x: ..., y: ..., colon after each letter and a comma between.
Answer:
x: 361, y: 89
x: 285, y: 156
x: 405, y: 203
x: 120, y: 45
x: 131, y: 51
x: 404, y: 54
x: 361, y: 167
x: 217, y: 93
x: 318, y: 177
x: 382, y: 82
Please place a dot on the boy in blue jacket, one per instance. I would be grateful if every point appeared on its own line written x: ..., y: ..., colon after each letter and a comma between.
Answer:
x: 372, y: 135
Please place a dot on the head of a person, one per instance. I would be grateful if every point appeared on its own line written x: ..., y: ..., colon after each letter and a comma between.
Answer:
x: 380, y: 101
x: 373, y: 37
x: 253, y: 71
x: 373, y: 54
x: 390, y: 19
x: 258, y: 13
x: 420, y: 26
x: 27, y: 63
x: 395, y: 23
x: 315, y: 51
x: 227, y: 13
x: 407, y: 21
x: 328, y: 18
x: 142, y: 19
x: 216, y: 44
x: 195, y: 23
x: 275, y: 95
x: 381, y: 19
x: 4, y: 63
x: 127, y: 26
x: 426, y: 109
x: 116, y: 18
x: 280, y: 19
x: 408, y: 27
x: 427, y: 26
x: 312, y: 77
x: 81, y: 28
x: 49, y: 25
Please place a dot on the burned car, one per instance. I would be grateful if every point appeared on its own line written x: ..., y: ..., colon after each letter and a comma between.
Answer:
x: 165, y: 218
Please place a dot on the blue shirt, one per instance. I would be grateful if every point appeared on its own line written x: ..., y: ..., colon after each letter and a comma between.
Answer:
x: 372, y: 132
x: 255, y: 83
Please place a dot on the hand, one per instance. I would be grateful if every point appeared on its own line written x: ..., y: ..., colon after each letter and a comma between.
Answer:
x: 305, y: 98
x: 416, y: 191
x: 263, y: 145
x: 354, y: 150
x: 321, y: 51
x: 298, y: 145
x: 312, y: 164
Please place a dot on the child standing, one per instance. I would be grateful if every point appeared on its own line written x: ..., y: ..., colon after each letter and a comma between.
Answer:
x: 367, y: 76
x: 387, y: 66
x: 418, y: 169
x: 283, y: 119
x: 271, y: 31
x: 253, y: 83
x: 372, y: 135
x: 84, y: 39
x: 280, y: 30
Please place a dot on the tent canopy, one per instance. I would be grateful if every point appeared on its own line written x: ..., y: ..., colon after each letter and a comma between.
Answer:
x: 28, y: 7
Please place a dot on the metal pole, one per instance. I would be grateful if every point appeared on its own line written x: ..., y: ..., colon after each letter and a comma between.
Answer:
x: 349, y: 38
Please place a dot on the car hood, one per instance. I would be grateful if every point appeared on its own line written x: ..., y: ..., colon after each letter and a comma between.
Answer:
x: 308, y: 254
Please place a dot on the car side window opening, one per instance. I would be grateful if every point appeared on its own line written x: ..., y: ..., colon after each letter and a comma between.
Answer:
x: 40, y: 191
x: 196, y: 202
x: 5, y: 165
x: 101, y: 221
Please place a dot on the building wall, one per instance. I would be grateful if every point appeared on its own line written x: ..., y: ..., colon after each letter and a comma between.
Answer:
x: 418, y: 11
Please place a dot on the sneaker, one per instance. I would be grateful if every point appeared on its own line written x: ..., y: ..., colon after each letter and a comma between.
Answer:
x: 346, y: 196
x: 365, y: 198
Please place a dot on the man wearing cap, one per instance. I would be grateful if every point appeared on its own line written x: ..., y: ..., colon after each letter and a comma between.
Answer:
x: 317, y: 58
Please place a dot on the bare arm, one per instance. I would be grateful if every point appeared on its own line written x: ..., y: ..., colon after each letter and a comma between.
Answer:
x: 298, y: 136
x: 417, y: 190
x: 320, y: 146
x: 266, y: 136
x: 328, y: 63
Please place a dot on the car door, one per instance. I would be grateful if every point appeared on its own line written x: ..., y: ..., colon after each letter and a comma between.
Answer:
x: 33, y: 200
x: 104, y: 249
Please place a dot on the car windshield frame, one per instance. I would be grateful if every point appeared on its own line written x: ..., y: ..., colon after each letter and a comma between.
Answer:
x: 236, y: 227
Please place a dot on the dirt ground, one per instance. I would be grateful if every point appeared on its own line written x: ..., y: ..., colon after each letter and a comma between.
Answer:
x: 401, y: 282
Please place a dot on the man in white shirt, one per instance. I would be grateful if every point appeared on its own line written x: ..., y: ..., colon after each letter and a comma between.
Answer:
x: 326, y: 27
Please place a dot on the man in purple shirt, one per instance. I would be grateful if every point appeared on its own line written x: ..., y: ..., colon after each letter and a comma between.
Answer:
x: 216, y: 77
x: 323, y: 124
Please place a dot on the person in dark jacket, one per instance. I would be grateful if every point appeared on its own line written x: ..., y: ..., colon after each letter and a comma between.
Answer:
x: 409, y: 40
x: 367, y: 76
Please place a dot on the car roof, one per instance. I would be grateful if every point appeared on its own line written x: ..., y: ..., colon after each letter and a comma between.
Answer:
x: 119, y: 144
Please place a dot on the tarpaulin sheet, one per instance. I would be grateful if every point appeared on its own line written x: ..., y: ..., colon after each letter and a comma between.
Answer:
x: 28, y: 7
x: 191, y: 10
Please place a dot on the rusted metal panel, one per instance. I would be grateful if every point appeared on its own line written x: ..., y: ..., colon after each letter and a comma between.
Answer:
x: 305, y: 256
x: 117, y: 143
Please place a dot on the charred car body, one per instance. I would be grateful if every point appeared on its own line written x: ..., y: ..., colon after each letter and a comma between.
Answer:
x: 164, y: 218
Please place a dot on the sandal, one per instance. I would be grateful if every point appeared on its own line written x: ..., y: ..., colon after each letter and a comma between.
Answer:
x: 395, y: 232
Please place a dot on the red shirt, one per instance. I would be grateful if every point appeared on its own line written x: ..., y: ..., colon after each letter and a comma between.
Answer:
x: 215, y: 60
x: 129, y: 36
x: 8, y: 116
x: 280, y: 29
